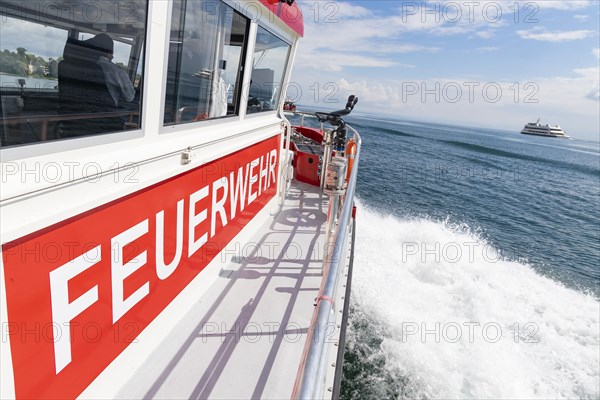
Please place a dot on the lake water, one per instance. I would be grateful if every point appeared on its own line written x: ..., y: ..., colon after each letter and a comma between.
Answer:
x: 476, y: 271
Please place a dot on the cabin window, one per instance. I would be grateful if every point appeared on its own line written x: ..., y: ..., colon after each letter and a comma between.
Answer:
x: 268, y: 67
x: 206, y: 56
x: 70, y: 69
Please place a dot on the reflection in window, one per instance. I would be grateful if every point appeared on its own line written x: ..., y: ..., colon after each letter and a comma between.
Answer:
x: 206, y: 55
x: 71, y: 75
x: 270, y: 56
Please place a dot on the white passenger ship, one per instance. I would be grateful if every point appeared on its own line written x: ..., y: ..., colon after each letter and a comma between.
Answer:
x: 166, y: 233
x: 535, y: 128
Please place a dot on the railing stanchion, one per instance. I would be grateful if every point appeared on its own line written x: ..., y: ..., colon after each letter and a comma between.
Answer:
x: 310, y: 381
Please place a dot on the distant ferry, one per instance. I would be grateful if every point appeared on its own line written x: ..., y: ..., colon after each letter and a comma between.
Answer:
x: 535, y: 128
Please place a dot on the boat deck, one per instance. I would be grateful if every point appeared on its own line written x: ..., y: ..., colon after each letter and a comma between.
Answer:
x: 245, y: 336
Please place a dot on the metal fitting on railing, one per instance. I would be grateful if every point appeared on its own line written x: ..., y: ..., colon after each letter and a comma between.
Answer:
x: 327, y: 134
x: 335, y: 176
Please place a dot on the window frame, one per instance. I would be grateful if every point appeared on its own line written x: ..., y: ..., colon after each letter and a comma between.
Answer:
x: 241, y: 104
x: 152, y: 124
x: 283, y: 76
x: 44, y: 148
x: 254, y: 22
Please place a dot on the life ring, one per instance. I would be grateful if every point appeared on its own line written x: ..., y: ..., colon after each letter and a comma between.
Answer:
x: 350, y: 154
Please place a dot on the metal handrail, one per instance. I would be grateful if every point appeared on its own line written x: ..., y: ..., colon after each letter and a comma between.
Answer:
x: 304, y: 114
x: 310, y: 381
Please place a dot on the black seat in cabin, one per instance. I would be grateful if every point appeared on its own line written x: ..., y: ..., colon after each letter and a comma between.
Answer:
x: 82, y: 91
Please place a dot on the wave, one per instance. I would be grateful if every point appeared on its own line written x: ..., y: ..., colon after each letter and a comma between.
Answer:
x: 492, y: 151
x: 476, y: 148
x: 438, y: 313
x: 508, y: 154
x: 396, y: 132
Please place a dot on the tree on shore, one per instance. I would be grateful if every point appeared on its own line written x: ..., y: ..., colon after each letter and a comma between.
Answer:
x: 22, y: 63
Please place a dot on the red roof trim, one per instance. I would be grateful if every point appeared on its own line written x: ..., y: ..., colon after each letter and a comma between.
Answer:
x: 291, y: 15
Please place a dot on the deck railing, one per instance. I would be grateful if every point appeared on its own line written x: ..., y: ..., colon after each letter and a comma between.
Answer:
x: 312, y: 374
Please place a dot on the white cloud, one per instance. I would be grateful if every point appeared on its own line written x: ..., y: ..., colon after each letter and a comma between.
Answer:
x: 43, y: 40
x: 377, y: 37
x: 564, y: 4
x: 531, y: 7
x: 596, y: 52
x: 554, y: 36
x: 393, y: 48
x: 485, y: 34
x: 333, y: 11
x: 340, y: 34
x: 335, y: 61
x: 450, y: 30
x: 565, y: 100
x: 381, y: 41
x: 37, y: 39
x: 346, y: 35
x: 592, y: 75
x: 580, y: 17
x: 594, y: 93
x: 486, y: 49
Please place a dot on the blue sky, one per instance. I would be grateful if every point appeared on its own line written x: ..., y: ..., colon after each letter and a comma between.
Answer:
x: 471, y: 62
x: 482, y: 63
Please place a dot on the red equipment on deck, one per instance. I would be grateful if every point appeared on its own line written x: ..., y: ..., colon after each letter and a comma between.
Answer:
x: 308, y: 155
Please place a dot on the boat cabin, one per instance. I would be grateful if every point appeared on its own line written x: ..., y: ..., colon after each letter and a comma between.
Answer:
x: 165, y: 231
x: 216, y: 60
x: 138, y: 139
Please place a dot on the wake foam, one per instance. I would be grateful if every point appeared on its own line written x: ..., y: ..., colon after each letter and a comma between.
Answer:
x: 437, y: 313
